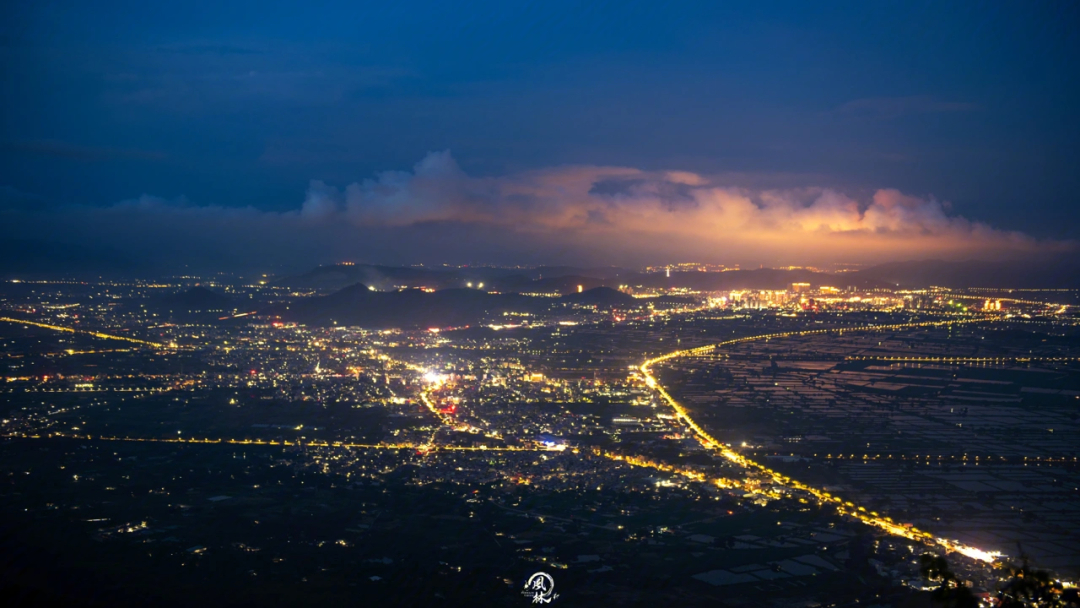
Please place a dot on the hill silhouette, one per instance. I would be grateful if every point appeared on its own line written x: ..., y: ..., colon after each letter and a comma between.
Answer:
x: 197, y: 299
x: 604, y: 297
x: 358, y: 305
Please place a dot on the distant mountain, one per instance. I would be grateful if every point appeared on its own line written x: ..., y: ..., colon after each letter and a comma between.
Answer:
x: 763, y: 278
x: 387, y: 278
x: 551, y: 272
x: 604, y: 297
x: 1063, y: 272
x: 195, y: 304
x: 197, y: 299
x: 1054, y: 273
x: 564, y: 285
x: 360, y: 306
x: 563, y: 279
x: 338, y: 276
x: 558, y: 279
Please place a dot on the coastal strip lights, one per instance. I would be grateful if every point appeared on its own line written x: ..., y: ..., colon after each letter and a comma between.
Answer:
x: 965, y: 359
x: 961, y: 458
x: 95, y: 334
x: 871, y: 518
x: 274, y: 442
x: 961, y: 296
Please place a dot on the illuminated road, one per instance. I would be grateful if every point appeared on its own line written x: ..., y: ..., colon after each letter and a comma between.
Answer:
x: 637, y: 461
x: 273, y: 442
x: 966, y: 359
x: 425, y: 397
x: 954, y: 458
x: 85, y: 332
x: 960, y: 296
x: 844, y: 507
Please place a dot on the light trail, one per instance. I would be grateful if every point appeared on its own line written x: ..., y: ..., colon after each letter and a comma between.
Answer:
x: 965, y: 359
x: 95, y: 334
x: 959, y: 296
x: 964, y: 458
x: 71, y: 351
x: 638, y: 461
x: 274, y: 442
x: 426, y: 400
x: 871, y: 518
x: 243, y: 314
x: 95, y: 283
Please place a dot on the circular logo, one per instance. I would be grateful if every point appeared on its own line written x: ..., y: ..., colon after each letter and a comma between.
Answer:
x: 540, y: 588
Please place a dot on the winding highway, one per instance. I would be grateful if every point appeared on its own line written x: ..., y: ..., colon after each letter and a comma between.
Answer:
x: 848, y: 508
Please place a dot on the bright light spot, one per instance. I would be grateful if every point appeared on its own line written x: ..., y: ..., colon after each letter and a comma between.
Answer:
x: 979, y: 554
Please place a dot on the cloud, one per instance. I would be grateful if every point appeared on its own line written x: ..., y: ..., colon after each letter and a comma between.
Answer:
x: 629, y: 210
x: 322, y: 201
x: 570, y: 214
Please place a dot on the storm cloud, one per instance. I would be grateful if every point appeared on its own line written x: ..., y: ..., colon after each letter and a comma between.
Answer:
x: 567, y: 214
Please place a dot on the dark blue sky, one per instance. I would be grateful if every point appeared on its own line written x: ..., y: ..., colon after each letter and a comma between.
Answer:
x: 236, y: 104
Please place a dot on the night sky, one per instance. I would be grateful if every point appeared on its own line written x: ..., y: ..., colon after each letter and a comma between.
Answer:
x: 237, y: 135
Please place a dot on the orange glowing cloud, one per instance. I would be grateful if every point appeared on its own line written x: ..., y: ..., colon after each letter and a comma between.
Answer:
x: 623, y: 211
x: 563, y: 215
